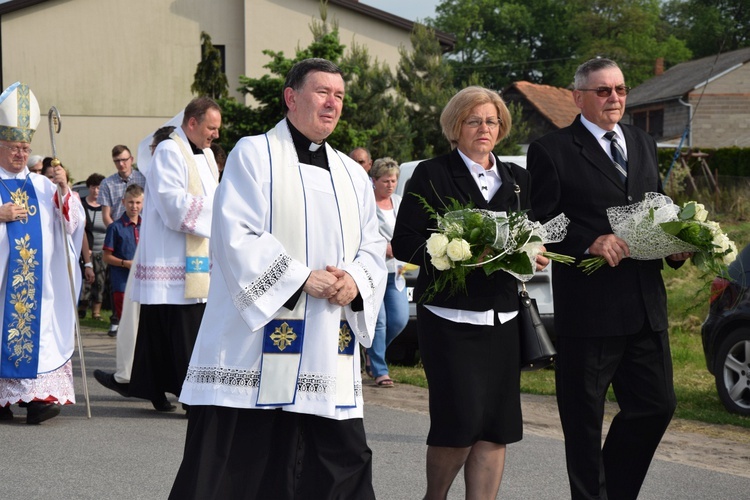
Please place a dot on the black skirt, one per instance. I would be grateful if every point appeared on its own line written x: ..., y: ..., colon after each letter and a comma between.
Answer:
x: 474, y: 380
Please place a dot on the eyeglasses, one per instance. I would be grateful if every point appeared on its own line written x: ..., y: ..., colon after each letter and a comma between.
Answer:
x: 476, y: 123
x: 121, y: 160
x: 16, y: 149
x: 621, y: 90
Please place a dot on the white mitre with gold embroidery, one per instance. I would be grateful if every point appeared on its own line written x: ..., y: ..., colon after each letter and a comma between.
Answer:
x: 19, y: 113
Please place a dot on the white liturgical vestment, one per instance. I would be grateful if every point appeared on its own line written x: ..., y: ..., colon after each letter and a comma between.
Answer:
x: 54, y: 305
x: 169, y: 213
x: 276, y: 220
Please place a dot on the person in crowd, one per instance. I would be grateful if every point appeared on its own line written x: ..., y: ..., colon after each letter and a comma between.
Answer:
x: 127, y: 328
x: 362, y: 156
x: 172, y: 274
x: 112, y: 189
x: 35, y: 164
x: 37, y: 307
x: 611, y: 326
x: 394, y: 313
x: 274, y: 383
x: 221, y: 157
x: 111, y: 194
x: 120, y: 243
x: 93, y: 291
x: 470, y: 337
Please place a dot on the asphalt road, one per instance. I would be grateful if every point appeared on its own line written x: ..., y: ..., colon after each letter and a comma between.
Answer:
x: 129, y: 451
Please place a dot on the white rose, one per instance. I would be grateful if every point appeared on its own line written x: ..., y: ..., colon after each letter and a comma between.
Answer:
x: 701, y: 214
x: 437, y: 244
x: 532, y: 249
x: 442, y: 263
x: 732, y: 255
x: 458, y: 250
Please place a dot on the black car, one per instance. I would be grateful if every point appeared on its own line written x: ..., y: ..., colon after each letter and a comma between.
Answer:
x: 726, y: 335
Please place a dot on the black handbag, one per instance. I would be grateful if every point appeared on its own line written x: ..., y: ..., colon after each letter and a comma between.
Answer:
x: 537, y: 350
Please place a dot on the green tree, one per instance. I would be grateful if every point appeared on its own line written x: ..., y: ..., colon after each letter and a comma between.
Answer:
x: 426, y: 82
x: 374, y: 108
x: 502, y: 41
x: 543, y: 41
x: 630, y: 32
x: 209, y: 79
x: 709, y: 27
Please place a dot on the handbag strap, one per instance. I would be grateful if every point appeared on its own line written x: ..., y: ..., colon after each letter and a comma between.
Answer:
x: 516, y: 187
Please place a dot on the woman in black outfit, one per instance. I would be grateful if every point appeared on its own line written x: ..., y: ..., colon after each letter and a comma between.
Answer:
x: 469, y: 341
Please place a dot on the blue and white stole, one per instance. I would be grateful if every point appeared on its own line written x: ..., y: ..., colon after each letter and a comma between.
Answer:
x: 23, y: 296
x: 283, y: 337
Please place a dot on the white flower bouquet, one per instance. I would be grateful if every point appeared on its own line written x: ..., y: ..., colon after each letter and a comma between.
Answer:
x: 469, y: 238
x: 656, y: 228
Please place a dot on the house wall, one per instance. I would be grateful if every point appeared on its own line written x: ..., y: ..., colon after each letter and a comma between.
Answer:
x: 118, y: 69
x: 115, y: 69
x: 722, y: 113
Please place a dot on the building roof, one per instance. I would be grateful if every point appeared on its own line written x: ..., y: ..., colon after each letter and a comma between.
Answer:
x: 553, y: 103
x: 686, y: 77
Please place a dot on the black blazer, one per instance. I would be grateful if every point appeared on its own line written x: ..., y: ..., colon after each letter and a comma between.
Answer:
x: 437, y: 180
x: 572, y: 174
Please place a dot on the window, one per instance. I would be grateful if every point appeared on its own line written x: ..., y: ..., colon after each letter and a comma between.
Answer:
x: 650, y: 120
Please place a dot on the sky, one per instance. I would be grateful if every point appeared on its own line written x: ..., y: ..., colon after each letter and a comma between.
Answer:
x: 408, y: 9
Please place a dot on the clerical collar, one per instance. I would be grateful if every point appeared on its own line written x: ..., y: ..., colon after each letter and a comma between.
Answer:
x: 196, y: 150
x: 308, y: 151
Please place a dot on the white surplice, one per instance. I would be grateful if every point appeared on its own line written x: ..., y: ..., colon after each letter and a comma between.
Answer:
x: 57, y: 320
x: 169, y: 213
x: 254, y: 275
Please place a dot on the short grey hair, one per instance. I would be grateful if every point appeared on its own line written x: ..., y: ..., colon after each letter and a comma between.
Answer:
x: 591, y: 66
x: 33, y: 160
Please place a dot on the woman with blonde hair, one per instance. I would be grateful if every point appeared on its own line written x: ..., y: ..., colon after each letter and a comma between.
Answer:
x: 468, y: 341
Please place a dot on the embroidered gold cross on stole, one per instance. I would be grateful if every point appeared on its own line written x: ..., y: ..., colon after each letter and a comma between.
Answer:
x: 345, y: 336
x: 283, y: 336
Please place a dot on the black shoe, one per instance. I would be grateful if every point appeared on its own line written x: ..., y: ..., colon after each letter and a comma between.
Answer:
x: 108, y: 381
x: 112, y: 330
x: 163, y: 404
x: 37, y: 412
x: 6, y: 413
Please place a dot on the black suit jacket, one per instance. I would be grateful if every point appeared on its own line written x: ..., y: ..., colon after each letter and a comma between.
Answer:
x: 437, y: 180
x: 572, y: 174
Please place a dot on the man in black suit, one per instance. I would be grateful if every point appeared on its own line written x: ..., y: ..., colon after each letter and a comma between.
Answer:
x: 611, y: 325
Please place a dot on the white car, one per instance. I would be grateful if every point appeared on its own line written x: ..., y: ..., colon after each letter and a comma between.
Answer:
x: 404, y: 348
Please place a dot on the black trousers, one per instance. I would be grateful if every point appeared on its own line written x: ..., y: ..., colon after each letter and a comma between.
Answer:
x: 639, y: 367
x: 251, y: 454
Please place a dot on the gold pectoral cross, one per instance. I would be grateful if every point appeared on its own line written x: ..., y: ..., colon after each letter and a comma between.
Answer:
x: 20, y: 198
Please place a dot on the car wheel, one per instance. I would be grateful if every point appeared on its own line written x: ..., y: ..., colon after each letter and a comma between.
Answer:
x: 732, y: 371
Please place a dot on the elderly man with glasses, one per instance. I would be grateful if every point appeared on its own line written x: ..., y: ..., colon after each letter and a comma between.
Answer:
x: 37, y: 310
x: 611, y: 325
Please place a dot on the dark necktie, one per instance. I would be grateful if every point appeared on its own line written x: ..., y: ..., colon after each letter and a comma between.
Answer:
x: 618, y: 156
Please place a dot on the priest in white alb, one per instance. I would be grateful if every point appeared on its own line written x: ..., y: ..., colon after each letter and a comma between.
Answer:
x: 298, y: 275
x: 36, y: 305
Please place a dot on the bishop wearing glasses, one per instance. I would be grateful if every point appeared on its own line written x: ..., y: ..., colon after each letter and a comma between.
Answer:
x: 36, y: 307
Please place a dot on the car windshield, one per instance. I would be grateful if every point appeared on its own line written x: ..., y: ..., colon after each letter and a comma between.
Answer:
x: 739, y: 270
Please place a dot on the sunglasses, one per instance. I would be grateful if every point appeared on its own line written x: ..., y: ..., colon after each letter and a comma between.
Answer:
x: 621, y: 90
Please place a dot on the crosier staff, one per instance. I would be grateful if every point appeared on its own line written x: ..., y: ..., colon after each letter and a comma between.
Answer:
x: 55, y: 124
